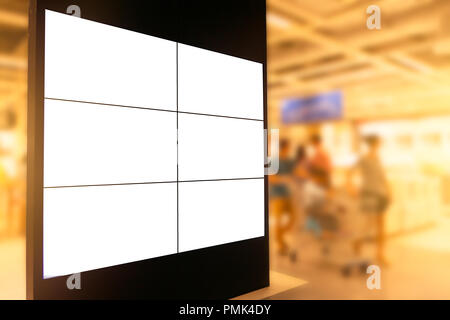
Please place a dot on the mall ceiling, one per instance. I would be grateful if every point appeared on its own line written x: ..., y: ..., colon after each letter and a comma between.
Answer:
x: 401, y: 70
x: 316, y: 46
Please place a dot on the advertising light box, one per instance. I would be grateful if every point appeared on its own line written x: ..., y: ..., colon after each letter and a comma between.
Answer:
x: 147, y: 152
x: 326, y: 106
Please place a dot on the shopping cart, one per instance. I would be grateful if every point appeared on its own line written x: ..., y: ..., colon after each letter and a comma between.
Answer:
x: 331, y: 227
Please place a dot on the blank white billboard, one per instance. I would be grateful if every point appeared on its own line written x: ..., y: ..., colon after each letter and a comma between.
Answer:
x: 219, y: 212
x: 129, y: 119
x: 218, y: 84
x: 88, y: 144
x: 220, y: 148
x: 94, y: 62
x: 95, y: 227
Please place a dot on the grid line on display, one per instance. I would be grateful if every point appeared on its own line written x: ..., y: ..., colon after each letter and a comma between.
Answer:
x: 218, y: 116
x: 110, y: 185
x: 147, y: 183
x: 154, y: 109
x: 110, y: 105
x: 218, y: 180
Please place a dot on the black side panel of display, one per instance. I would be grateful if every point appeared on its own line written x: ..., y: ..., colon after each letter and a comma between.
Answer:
x: 233, y: 27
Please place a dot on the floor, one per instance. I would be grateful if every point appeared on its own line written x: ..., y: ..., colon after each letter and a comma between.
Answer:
x: 12, y: 269
x: 279, y: 282
x: 419, y: 268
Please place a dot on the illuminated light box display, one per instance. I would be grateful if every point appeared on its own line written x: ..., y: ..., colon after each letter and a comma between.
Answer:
x: 111, y: 155
x: 151, y: 147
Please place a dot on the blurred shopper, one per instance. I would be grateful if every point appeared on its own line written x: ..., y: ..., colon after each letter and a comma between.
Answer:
x: 301, y: 165
x: 300, y: 175
x: 320, y: 164
x: 374, y: 193
x: 319, y: 206
x: 281, y: 203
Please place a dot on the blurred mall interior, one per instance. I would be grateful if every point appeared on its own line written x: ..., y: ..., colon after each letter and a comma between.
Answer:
x: 392, y: 83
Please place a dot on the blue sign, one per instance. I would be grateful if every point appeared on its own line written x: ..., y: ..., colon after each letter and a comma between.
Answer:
x: 327, y: 106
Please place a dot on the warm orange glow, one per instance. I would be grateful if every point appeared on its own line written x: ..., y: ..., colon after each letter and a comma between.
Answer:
x: 395, y: 82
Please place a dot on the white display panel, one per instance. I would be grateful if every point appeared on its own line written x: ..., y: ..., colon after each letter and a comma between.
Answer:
x: 87, y: 144
x: 218, y: 84
x: 220, y: 212
x: 220, y: 148
x: 94, y: 227
x: 94, y: 62
x: 114, y: 189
